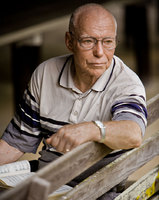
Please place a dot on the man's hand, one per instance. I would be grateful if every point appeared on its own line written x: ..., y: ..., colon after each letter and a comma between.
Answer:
x: 71, y: 136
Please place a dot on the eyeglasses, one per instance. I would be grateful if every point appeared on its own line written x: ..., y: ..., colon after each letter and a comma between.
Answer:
x: 88, y: 43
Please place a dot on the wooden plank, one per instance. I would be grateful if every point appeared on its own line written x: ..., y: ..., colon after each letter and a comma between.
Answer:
x: 63, y: 169
x: 73, y: 163
x: 29, y: 31
x: 144, y: 188
x: 41, y: 186
x: 115, y: 172
x: 153, y: 109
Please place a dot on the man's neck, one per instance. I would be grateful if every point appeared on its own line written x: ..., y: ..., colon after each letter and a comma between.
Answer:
x: 82, y: 81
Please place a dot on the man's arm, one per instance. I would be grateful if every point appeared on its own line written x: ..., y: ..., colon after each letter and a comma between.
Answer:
x: 8, y: 153
x: 124, y: 134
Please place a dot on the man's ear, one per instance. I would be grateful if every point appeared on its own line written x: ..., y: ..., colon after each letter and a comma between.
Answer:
x: 68, y: 41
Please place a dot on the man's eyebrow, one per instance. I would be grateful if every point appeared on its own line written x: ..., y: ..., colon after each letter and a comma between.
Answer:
x: 88, y: 36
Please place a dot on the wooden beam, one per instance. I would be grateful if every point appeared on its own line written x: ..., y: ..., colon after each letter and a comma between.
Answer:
x: 30, y: 31
x: 153, y: 109
x: 144, y: 188
x: 63, y: 170
x: 73, y: 163
x: 41, y: 187
x: 111, y: 175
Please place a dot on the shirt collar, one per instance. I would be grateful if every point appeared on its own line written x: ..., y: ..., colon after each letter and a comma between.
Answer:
x: 104, y: 79
x: 66, y: 80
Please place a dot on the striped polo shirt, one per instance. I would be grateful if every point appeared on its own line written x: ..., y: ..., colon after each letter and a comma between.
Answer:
x: 52, y: 101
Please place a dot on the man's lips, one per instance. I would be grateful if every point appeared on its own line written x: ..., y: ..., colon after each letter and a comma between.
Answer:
x: 97, y: 64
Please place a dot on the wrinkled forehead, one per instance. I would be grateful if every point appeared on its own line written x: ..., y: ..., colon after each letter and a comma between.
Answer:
x: 92, y: 19
x: 95, y: 21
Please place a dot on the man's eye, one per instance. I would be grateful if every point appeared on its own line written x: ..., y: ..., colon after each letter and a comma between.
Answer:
x: 87, y: 41
x: 107, y: 41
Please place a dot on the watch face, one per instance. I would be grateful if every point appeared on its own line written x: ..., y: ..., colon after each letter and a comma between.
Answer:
x: 100, y: 124
x: 102, y: 130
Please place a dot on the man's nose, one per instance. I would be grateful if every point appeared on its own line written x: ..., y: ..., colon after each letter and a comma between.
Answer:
x: 98, y: 49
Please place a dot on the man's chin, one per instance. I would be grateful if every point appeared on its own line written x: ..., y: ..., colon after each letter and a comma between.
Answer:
x: 97, y: 72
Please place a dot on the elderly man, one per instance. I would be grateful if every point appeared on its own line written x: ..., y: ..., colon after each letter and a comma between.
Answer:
x: 89, y: 95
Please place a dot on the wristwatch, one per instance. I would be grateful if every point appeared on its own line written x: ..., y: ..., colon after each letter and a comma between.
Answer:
x: 102, y: 130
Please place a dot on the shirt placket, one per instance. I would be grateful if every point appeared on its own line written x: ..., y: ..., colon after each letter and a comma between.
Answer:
x: 76, y: 110
x: 77, y: 107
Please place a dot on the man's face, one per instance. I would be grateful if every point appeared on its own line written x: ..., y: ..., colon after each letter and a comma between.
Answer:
x: 95, y: 61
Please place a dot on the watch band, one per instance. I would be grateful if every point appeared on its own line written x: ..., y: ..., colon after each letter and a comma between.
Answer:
x: 102, y: 130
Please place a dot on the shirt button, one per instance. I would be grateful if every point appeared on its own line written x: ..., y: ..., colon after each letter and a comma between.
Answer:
x: 75, y: 113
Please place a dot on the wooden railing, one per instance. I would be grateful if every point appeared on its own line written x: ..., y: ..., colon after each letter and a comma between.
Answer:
x: 67, y: 167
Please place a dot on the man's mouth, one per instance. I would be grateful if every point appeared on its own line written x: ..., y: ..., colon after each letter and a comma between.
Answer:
x: 98, y: 64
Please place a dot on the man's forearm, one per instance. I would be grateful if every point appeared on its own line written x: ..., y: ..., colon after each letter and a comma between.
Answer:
x: 122, y: 134
x: 8, y: 153
x: 119, y: 135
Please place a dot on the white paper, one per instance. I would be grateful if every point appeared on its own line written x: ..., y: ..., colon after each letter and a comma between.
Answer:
x: 18, y: 167
x: 15, y: 180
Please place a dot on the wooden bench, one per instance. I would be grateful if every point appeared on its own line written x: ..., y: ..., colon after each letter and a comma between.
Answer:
x: 78, y: 160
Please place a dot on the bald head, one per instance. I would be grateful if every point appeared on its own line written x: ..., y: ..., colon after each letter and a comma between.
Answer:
x: 87, y: 11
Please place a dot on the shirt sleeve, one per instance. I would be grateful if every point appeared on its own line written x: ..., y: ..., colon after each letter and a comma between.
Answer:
x: 129, y: 97
x: 132, y: 108
x: 24, y: 130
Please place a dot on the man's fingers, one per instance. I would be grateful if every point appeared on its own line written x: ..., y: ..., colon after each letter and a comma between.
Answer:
x: 53, y: 140
x: 67, y: 138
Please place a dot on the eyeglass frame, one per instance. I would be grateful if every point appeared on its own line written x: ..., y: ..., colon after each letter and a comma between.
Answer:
x: 95, y: 41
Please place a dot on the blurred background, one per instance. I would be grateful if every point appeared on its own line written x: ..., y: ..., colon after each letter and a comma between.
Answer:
x: 33, y: 31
